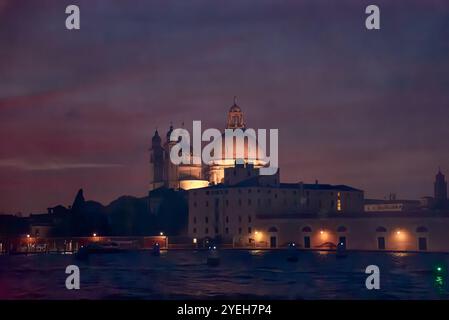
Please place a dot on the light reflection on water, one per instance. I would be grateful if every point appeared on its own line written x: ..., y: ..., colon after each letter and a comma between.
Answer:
x: 241, y: 274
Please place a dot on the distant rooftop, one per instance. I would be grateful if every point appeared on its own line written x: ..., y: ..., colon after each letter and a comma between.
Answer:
x: 254, y: 182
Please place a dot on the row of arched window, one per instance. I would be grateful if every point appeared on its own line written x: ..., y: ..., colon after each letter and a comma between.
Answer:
x: 344, y: 229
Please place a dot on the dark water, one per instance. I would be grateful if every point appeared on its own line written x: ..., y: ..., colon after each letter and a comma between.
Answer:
x: 241, y: 274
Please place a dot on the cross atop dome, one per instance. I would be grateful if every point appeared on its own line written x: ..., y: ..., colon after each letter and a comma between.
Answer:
x: 235, y: 117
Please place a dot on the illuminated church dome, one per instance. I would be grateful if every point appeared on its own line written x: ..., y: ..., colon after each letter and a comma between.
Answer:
x: 251, y: 151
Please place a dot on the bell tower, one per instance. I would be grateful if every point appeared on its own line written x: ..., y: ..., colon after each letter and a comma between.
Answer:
x: 156, y: 162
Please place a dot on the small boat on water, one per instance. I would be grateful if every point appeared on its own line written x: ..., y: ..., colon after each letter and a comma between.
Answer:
x: 156, y: 251
x: 213, y: 258
x: 341, y: 251
x: 292, y: 255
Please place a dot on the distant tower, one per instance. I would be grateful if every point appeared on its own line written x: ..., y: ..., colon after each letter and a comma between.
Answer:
x: 156, y: 162
x: 440, y: 190
x: 235, y: 117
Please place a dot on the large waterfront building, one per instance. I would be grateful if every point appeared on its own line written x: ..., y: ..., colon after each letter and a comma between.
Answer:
x: 250, y: 210
x: 235, y: 205
x: 232, y: 210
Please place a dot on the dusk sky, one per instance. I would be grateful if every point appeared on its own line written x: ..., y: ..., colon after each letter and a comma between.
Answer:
x: 78, y: 109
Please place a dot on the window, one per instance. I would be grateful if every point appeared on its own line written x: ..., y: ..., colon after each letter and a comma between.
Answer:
x: 206, y: 219
x: 227, y: 203
x: 194, y: 204
x: 240, y: 218
x: 194, y: 220
x: 226, y: 230
x: 207, y: 203
x: 421, y: 229
x: 216, y: 230
x: 249, y: 219
x: 194, y: 230
x: 306, y: 229
x: 240, y: 230
x: 206, y: 231
x: 227, y: 219
x: 338, y: 201
x: 249, y: 230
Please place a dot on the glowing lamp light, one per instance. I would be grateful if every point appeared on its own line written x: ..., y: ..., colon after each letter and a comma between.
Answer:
x: 398, y: 232
x: 321, y: 232
x: 195, y: 240
x: 94, y: 234
x: 439, y: 269
x: 161, y: 233
x: 28, y: 235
